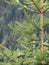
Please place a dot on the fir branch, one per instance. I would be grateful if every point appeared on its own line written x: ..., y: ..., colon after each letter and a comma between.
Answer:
x: 46, y: 9
x: 8, y: 56
x: 46, y: 25
x: 29, y: 19
x: 29, y: 9
x: 20, y: 4
x: 36, y: 6
x: 4, y: 47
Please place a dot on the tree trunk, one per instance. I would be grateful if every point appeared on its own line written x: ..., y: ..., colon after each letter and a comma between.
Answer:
x: 41, y: 26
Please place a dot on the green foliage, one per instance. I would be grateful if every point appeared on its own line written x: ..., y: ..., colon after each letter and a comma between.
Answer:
x: 5, y: 63
x: 29, y: 40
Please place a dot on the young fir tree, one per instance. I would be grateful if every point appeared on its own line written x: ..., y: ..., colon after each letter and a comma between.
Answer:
x: 31, y: 35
